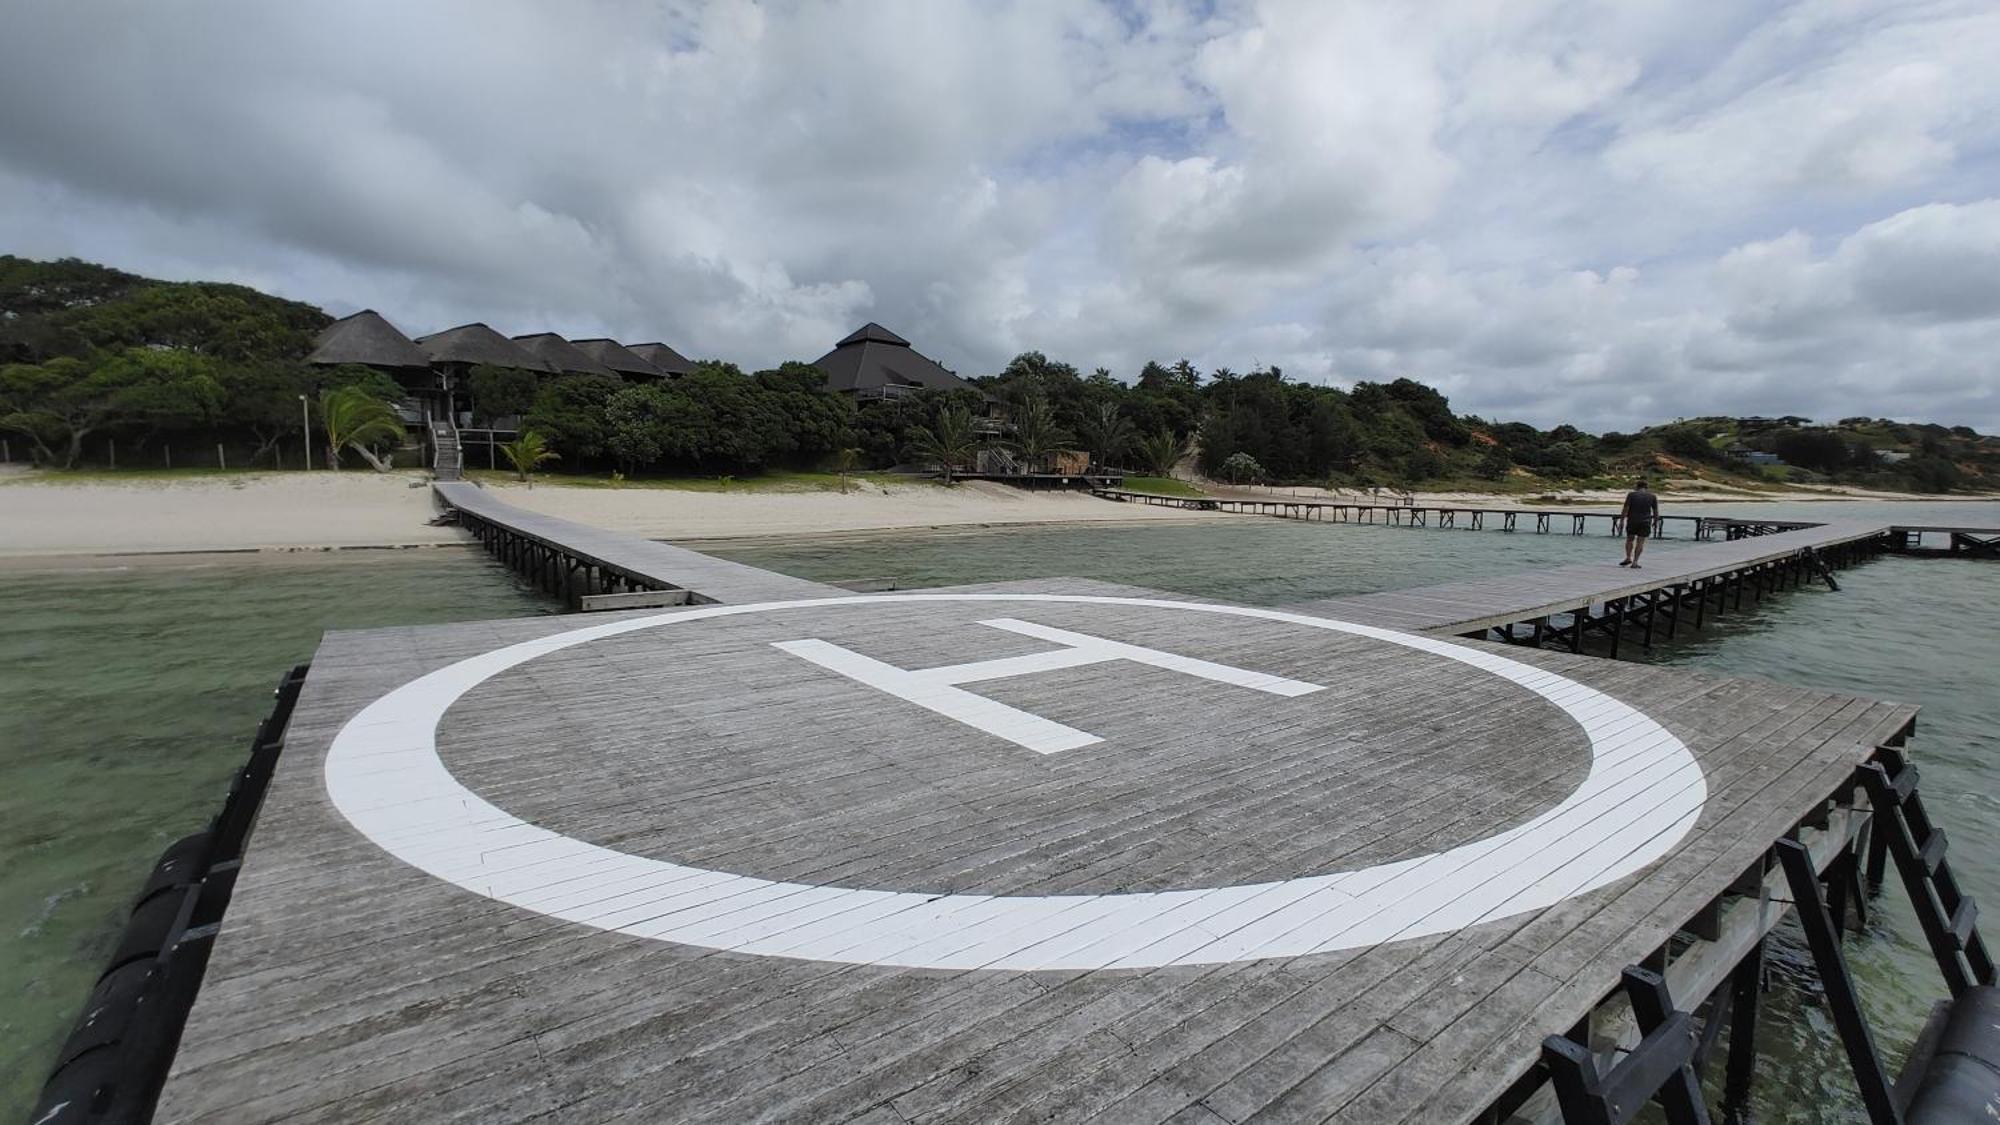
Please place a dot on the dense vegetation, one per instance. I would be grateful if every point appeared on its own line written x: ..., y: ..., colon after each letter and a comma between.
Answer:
x: 90, y: 355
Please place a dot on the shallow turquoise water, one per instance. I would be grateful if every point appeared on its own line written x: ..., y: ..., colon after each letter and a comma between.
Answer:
x: 128, y: 694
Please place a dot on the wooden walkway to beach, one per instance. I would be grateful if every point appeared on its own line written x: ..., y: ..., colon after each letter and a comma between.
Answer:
x: 1052, y: 851
x: 1541, y: 521
x: 575, y: 560
x: 1672, y: 579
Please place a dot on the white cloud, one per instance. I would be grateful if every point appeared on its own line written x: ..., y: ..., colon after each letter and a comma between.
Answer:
x: 1605, y: 214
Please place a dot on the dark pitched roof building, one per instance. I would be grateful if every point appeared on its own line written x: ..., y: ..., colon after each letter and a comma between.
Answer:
x: 471, y: 344
x: 668, y: 360
x: 619, y: 358
x: 366, y: 338
x: 561, y: 355
x: 873, y: 361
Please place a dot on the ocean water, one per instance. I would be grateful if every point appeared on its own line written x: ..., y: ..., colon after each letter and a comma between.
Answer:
x: 127, y: 694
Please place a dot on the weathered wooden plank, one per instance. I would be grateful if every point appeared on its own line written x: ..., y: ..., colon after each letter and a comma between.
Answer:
x: 350, y: 984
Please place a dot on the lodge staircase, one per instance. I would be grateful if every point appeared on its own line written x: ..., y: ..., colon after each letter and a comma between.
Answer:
x: 447, y: 459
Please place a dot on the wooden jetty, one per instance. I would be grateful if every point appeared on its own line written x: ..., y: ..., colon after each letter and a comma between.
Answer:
x: 1561, y: 606
x: 574, y: 561
x: 1042, y: 851
x: 659, y: 865
x: 1969, y: 542
x: 1443, y: 516
x: 1959, y: 542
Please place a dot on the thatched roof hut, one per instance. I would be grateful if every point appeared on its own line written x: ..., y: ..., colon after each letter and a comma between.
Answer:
x: 875, y: 362
x: 471, y: 344
x: 663, y: 357
x: 619, y: 358
x: 366, y: 338
x: 562, y: 355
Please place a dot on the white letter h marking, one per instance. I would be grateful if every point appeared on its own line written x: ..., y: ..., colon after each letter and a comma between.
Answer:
x: 937, y: 688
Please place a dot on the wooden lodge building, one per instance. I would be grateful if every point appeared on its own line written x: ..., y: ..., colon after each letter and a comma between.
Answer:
x: 871, y: 364
x: 669, y: 362
x: 875, y: 363
x: 433, y: 368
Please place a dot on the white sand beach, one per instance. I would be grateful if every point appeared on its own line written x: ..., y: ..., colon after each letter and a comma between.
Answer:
x: 47, y: 516
x: 50, y: 515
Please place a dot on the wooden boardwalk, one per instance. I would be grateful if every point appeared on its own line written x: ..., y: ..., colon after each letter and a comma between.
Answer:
x: 1475, y: 605
x: 833, y: 859
x: 1542, y: 521
x: 560, y: 547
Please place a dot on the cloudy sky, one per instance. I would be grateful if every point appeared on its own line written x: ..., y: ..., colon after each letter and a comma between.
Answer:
x: 1612, y: 214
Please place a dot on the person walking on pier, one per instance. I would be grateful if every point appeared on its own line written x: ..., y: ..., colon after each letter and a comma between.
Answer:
x: 1640, y: 510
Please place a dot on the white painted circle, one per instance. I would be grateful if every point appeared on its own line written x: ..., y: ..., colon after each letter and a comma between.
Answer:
x: 1642, y: 794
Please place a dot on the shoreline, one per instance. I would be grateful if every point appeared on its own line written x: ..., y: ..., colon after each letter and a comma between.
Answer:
x: 271, y: 517
x: 201, y: 556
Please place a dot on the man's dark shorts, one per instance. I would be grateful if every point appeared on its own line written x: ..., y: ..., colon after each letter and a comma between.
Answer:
x: 1641, y: 529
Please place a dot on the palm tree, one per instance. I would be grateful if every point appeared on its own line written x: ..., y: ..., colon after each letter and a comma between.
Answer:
x: 1161, y: 452
x: 527, y: 452
x: 845, y: 461
x: 357, y: 420
x: 1036, y: 434
x: 1108, y: 433
x: 948, y: 442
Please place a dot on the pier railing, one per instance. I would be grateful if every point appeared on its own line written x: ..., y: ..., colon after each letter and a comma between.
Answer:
x: 1683, y: 1006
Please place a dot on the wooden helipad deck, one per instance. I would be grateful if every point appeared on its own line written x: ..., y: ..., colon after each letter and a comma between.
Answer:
x: 1482, y: 603
x: 645, y: 562
x: 828, y: 861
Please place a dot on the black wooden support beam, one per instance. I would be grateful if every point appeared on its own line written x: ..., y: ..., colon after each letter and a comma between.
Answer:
x: 1842, y: 1001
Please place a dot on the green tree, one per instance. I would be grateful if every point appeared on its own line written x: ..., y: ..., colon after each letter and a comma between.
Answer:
x: 1687, y: 441
x: 1161, y: 452
x: 501, y: 392
x: 353, y: 419
x: 947, y: 443
x: 636, y: 423
x: 1108, y: 433
x: 1036, y: 433
x: 813, y: 423
x: 261, y: 398
x: 1241, y: 467
x: 845, y: 461
x: 1422, y: 463
x: 58, y: 404
x: 569, y: 411
x: 164, y: 390
x: 1932, y: 474
x: 227, y: 322
x: 1822, y: 451
x: 527, y: 452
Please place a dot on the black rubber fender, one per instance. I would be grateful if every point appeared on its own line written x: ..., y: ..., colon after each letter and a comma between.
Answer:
x: 108, y: 1013
x: 1962, y: 1082
x: 149, y: 930
x: 81, y: 1091
x: 182, y: 863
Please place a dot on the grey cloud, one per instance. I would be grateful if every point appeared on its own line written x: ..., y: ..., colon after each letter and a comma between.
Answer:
x: 1603, y: 214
